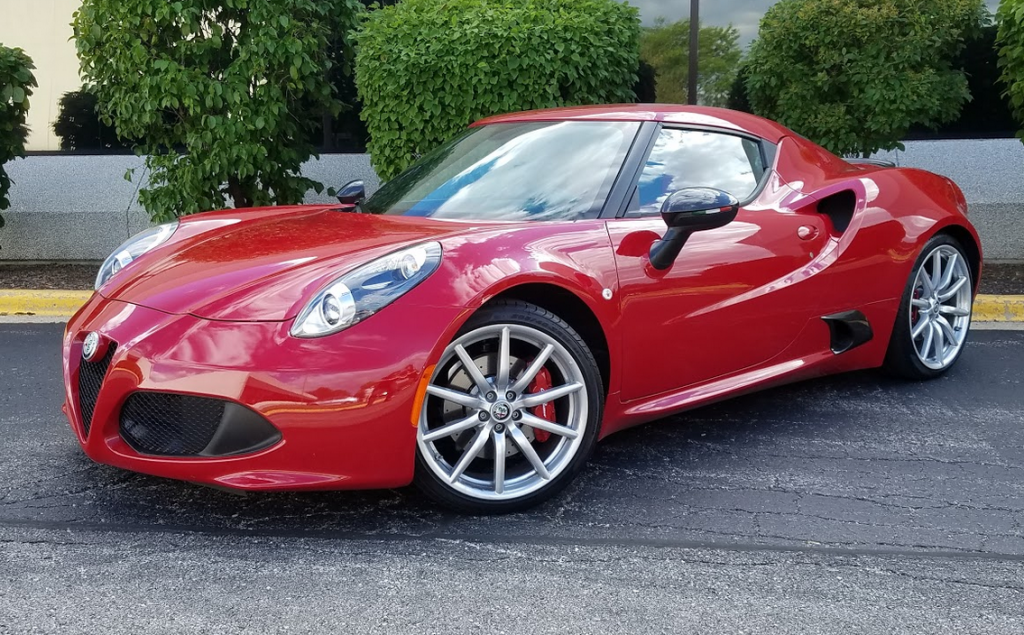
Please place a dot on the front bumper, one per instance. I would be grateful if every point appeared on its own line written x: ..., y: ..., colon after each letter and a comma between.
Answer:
x: 343, y: 404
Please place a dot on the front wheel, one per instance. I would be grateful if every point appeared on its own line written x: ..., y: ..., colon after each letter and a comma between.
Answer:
x: 935, y: 312
x: 511, y: 413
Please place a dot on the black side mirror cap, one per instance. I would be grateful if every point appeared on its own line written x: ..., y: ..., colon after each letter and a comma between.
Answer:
x: 693, y: 209
x: 352, y: 194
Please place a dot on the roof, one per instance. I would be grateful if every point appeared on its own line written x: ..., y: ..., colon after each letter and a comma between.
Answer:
x: 687, y: 115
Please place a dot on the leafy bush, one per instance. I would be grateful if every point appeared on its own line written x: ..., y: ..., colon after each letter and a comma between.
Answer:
x: 666, y: 47
x: 236, y: 86
x: 16, y: 84
x: 856, y: 75
x: 1011, y: 54
x: 425, y: 69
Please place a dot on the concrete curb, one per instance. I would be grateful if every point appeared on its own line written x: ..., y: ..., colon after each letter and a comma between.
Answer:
x: 63, y: 304
x: 32, y: 302
x: 999, y: 308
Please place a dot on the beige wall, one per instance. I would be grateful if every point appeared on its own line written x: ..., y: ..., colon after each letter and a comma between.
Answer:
x: 43, y: 29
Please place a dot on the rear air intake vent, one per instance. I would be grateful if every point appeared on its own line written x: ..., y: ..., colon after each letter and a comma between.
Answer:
x: 839, y: 208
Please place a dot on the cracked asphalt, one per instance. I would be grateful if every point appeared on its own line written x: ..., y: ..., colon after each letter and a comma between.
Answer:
x: 852, y: 504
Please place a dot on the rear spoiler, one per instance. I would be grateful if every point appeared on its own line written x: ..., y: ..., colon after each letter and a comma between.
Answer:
x: 878, y: 163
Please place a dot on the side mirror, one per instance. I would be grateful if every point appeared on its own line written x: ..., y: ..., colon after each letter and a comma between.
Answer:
x: 352, y: 194
x: 693, y: 209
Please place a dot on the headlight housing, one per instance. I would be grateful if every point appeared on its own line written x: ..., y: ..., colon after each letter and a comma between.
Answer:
x: 362, y: 292
x: 132, y: 249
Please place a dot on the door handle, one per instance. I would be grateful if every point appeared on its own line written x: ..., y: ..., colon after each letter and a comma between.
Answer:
x: 807, y: 232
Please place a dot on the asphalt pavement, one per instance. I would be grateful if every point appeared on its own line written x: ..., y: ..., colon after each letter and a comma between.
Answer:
x: 853, y: 504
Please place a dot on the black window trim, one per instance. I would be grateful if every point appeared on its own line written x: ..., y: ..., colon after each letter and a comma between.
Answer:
x: 638, y: 162
x: 629, y: 173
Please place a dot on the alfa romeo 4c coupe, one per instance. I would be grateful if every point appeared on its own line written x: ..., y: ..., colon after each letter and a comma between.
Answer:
x: 537, y: 283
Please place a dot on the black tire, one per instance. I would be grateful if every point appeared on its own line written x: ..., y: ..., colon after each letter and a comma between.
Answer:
x: 513, y: 312
x: 901, y: 359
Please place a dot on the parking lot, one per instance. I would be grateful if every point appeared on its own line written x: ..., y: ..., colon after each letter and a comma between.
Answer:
x: 849, y: 504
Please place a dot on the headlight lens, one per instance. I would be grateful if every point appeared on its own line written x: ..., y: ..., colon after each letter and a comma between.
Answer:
x: 360, y: 293
x: 132, y: 249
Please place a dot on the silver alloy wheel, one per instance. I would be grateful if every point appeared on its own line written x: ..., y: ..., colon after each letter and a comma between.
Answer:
x: 477, y: 431
x: 940, y: 307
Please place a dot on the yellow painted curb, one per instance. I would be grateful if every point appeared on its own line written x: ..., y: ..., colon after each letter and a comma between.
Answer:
x: 57, y: 304
x: 999, y: 308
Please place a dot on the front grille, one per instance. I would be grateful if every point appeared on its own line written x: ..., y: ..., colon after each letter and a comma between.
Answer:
x: 90, y: 380
x: 167, y: 424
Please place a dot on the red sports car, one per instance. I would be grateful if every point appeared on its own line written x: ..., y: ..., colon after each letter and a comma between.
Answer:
x: 539, y: 282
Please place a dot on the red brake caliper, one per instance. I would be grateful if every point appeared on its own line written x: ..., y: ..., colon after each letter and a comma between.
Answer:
x: 545, y: 411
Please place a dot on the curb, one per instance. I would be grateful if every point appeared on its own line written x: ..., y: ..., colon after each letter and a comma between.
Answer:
x: 39, y: 303
x: 63, y: 304
x: 999, y: 308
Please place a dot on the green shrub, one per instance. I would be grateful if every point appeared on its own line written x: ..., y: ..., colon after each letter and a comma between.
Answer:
x: 223, y: 96
x: 855, y: 75
x: 425, y: 69
x: 16, y: 84
x: 1010, y: 41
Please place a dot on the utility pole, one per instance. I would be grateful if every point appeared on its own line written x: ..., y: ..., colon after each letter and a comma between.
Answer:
x: 694, y: 51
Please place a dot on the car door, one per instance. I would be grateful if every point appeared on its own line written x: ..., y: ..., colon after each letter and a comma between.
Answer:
x: 721, y: 307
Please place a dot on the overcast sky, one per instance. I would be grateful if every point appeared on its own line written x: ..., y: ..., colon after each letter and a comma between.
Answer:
x: 742, y: 14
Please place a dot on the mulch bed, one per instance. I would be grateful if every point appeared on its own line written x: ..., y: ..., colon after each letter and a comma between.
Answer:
x: 1000, y: 279
x: 15, y: 276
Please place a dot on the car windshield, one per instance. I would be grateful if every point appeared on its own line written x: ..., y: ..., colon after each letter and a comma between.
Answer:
x: 516, y: 171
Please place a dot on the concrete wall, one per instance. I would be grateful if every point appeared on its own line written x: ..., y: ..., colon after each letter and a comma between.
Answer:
x: 80, y: 207
x: 69, y: 207
x: 991, y: 174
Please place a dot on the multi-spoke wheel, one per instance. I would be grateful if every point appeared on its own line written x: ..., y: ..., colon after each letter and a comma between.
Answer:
x: 935, y: 316
x: 511, y: 411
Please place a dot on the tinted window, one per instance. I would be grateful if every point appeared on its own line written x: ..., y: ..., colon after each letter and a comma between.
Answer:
x: 692, y: 158
x: 525, y: 171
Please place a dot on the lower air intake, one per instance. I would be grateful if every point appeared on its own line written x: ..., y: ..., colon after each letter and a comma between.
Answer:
x: 168, y: 424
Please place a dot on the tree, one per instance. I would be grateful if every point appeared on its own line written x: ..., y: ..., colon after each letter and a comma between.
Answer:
x: 16, y: 84
x: 426, y: 69
x: 666, y: 47
x: 855, y: 75
x: 1010, y: 42
x: 223, y: 96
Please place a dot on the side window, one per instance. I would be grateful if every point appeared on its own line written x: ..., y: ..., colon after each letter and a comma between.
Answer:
x: 693, y: 158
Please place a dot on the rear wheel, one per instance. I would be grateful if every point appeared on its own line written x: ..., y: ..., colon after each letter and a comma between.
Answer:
x: 511, y: 413
x: 935, y: 312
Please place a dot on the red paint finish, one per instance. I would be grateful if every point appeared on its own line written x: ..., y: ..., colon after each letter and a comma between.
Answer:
x: 209, y: 312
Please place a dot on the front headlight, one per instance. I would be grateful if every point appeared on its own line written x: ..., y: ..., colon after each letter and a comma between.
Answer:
x: 132, y: 249
x: 359, y: 294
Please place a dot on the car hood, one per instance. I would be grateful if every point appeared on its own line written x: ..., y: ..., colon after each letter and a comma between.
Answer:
x: 262, y: 265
